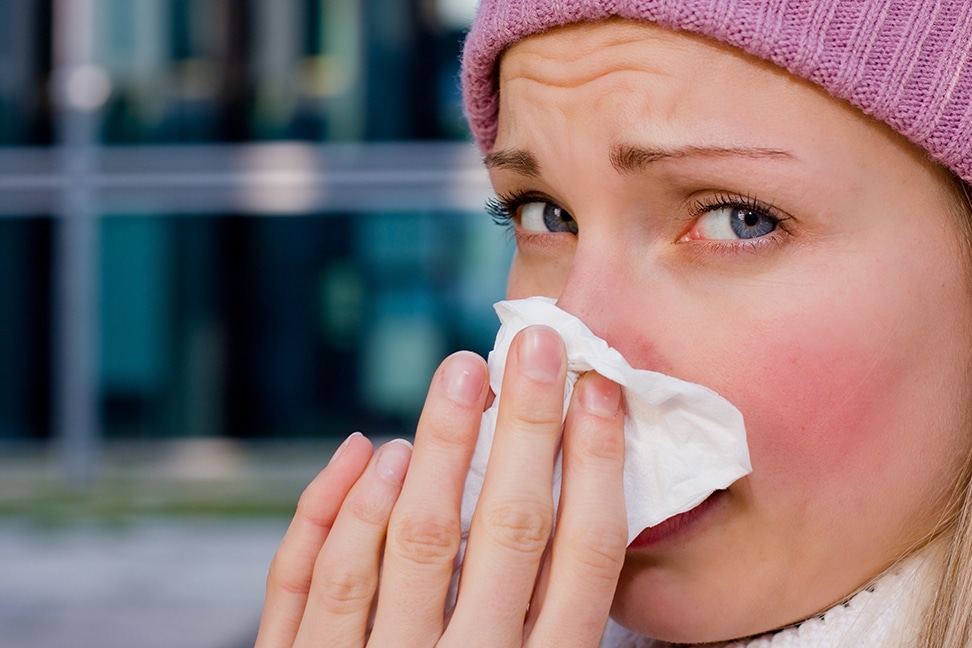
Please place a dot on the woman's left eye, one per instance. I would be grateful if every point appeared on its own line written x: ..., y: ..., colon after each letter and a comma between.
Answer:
x: 531, y: 212
x: 541, y: 216
x: 731, y: 222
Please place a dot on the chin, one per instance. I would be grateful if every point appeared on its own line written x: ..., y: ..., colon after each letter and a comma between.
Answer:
x: 652, y: 603
x: 699, y: 612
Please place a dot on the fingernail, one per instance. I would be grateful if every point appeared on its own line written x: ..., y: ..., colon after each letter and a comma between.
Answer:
x: 393, y: 460
x: 541, y: 353
x: 343, y: 447
x: 601, y: 397
x: 463, y: 378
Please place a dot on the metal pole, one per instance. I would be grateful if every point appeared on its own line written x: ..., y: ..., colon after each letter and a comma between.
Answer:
x: 78, y: 88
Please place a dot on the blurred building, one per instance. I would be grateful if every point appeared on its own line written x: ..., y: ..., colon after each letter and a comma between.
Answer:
x: 244, y: 218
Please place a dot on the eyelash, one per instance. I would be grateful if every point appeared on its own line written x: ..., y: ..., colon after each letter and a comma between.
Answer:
x: 498, y: 212
x: 503, y: 207
x: 728, y: 201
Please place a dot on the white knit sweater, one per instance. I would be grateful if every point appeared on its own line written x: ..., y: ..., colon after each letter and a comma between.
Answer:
x: 879, y: 616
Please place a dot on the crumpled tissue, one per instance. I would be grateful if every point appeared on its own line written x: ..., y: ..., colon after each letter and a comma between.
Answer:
x: 682, y: 440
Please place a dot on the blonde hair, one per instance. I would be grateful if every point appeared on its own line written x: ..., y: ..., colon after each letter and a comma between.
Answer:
x: 948, y: 619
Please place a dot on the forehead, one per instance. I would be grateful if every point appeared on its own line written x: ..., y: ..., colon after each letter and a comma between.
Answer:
x: 627, y: 74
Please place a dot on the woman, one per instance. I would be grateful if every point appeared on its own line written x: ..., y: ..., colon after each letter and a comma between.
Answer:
x: 766, y: 198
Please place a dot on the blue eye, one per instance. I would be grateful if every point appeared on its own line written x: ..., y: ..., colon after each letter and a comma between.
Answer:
x: 531, y: 212
x: 538, y: 216
x: 728, y: 222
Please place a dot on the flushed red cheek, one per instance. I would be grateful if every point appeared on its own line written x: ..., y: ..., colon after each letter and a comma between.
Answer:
x: 817, y: 408
x: 814, y: 404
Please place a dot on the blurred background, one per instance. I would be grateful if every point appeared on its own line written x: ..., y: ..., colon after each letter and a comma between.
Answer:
x: 231, y: 233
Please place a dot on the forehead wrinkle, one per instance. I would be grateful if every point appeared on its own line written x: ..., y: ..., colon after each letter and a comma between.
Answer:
x: 572, y: 57
x: 632, y: 159
x: 515, y: 160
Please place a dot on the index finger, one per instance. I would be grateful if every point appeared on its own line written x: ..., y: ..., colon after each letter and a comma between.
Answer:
x: 513, y: 519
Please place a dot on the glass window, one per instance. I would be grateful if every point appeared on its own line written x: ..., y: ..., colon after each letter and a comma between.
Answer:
x: 324, y: 70
x: 267, y: 248
x: 262, y: 327
x: 25, y: 245
x: 24, y: 68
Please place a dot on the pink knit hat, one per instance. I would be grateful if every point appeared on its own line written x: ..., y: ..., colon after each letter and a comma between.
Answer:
x: 905, y: 62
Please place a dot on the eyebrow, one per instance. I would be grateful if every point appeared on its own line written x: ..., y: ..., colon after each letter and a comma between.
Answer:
x: 516, y: 160
x: 629, y: 159
x: 632, y: 159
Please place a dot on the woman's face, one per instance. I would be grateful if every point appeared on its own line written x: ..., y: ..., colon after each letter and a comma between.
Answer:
x: 717, y: 220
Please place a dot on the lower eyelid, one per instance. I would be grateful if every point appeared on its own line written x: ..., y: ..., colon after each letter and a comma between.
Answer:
x: 541, y: 242
x: 708, y: 251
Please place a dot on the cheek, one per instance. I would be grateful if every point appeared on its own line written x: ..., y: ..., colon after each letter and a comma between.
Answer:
x: 820, y: 399
x: 817, y: 407
x: 844, y: 411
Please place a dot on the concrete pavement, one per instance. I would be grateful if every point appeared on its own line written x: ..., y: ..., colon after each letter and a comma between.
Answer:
x: 148, y: 584
x: 168, y: 549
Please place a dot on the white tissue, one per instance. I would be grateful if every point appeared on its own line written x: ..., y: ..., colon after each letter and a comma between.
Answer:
x: 682, y: 441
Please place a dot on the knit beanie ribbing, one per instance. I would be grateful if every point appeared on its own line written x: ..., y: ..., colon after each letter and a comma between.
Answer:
x: 905, y: 62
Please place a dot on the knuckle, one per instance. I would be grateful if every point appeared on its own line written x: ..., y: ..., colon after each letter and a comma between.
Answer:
x: 449, y: 435
x: 599, y: 550
x: 533, y: 415
x: 307, y: 510
x: 344, y: 591
x: 520, y: 527
x: 596, y: 447
x: 535, y: 423
x: 539, y: 411
x: 278, y: 580
x: 369, y: 510
x: 424, y: 540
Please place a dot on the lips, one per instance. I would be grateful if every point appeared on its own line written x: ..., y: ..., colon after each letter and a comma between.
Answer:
x: 676, y: 525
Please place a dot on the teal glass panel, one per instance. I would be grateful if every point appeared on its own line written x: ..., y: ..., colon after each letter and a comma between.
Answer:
x: 288, y: 327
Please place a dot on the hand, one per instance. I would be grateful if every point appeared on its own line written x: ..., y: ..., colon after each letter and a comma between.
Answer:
x: 518, y: 587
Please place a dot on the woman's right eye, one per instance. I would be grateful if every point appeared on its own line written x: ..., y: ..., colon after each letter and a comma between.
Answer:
x: 537, y: 216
